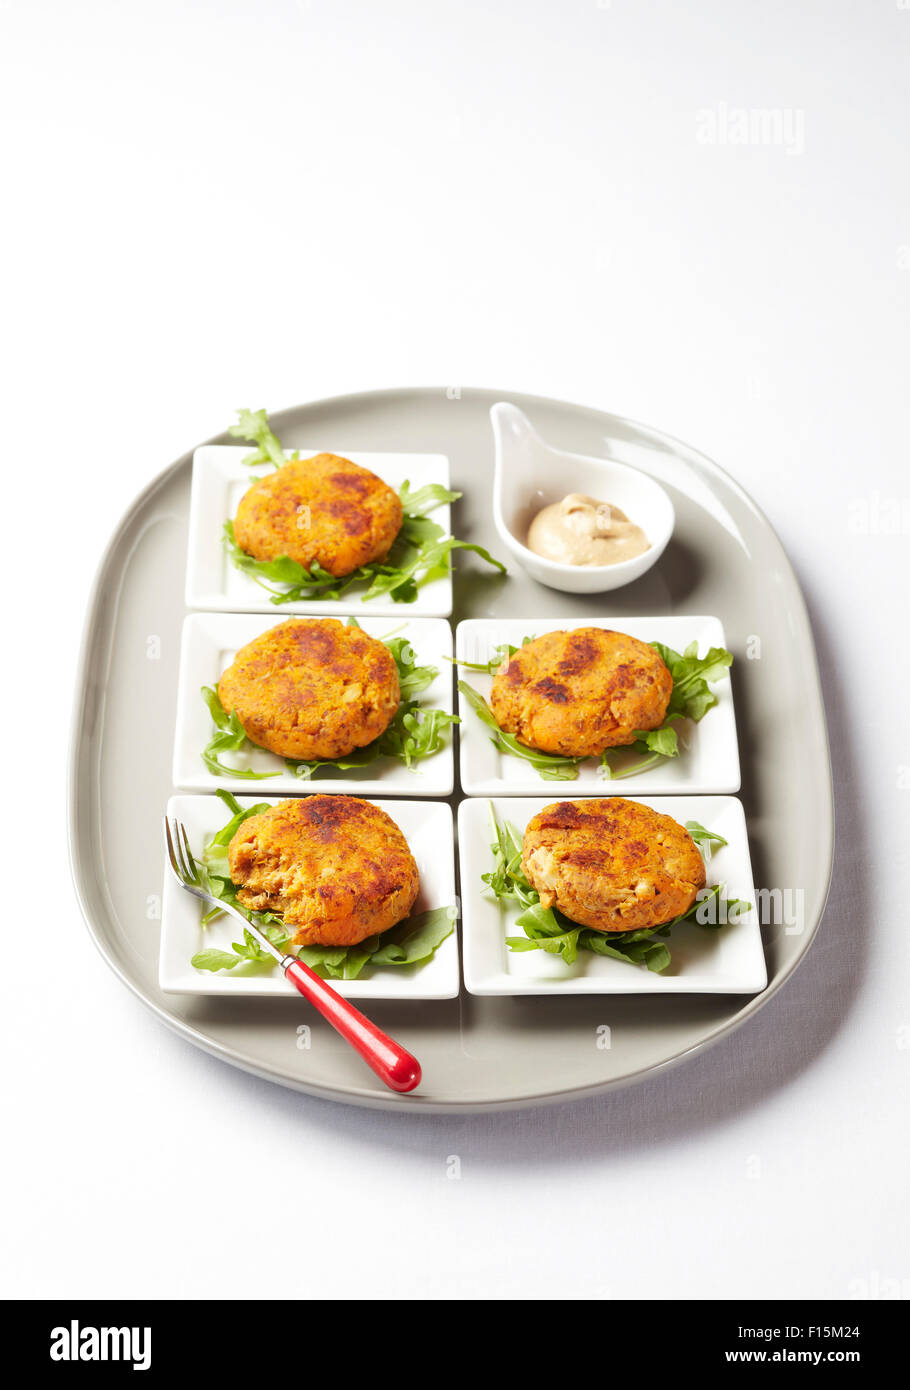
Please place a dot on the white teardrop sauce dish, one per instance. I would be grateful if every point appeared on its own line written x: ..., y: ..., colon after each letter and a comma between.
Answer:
x: 531, y: 474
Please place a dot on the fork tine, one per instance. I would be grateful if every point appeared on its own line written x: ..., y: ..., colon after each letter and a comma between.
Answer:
x: 178, y: 850
x: 175, y: 843
x: 189, y: 859
x: 183, y: 864
x: 170, y: 849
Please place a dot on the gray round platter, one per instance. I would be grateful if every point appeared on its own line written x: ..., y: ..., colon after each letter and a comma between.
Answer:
x: 477, y: 1053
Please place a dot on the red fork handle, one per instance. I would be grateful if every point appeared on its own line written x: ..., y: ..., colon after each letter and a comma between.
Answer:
x: 388, y: 1059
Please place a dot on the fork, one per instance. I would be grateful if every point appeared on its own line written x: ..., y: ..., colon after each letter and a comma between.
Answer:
x: 388, y: 1059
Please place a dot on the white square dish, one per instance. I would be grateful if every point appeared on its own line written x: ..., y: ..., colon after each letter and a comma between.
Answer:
x: 729, y: 960
x: 220, y: 479
x: 209, y: 644
x: 428, y: 829
x: 709, y: 753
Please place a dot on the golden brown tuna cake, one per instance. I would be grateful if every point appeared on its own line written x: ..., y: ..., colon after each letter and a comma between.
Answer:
x: 312, y: 688
x: 612, y: 864
x: 335, y: 868
x: 578, y: 693
x: 324, y: 509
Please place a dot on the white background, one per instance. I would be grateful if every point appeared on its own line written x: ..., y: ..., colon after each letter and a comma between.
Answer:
x: 215, y: 205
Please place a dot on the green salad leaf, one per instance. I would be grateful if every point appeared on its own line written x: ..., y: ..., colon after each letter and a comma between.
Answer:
x: 418, y: 502
x: 215, y: 876
x: 412, y: 679
x: 410, y: 942
x: 548, y: 929
x: 229, y: 736
x: 690, y: 698
x: 414, y: 733
x: 706, y: 840
x: 253, y: 425
x: 407, y: 943
x: 215, y: 960
x: 420, y: 552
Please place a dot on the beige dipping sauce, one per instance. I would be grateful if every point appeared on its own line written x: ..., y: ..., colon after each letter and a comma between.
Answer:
x: 582, y: 531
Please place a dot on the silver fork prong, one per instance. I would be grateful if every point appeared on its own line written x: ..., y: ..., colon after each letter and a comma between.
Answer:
x: 189, y: 858
x: 170, y: 850
x: 183, y: 865
x: 178, y: 851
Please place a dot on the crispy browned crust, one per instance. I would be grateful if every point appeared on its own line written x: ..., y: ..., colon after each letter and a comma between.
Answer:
x: 337, y: 869
x: 577, y: 693
x: 312, y: 688
x: 612, y: 864
x: 324, y: 508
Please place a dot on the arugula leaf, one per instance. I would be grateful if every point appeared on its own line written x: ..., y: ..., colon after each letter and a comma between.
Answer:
x: 420, y: 552
x: 246, y: 952
x: 412, y: 679
x: 254, y: 426
x: 215, y: 960
x: 413, y: 734
x: 424, y: 499
x: 563, y: 944
x: 407, y: 943
x: 506, y: 880
x: 417, y: 937
x: 552, y: 767
x: 712, y: 911
x: 736, y: 909
x: 662, y: 741
x: 214, y: 856
x: 691, y: 697
x: 229, y: 736
x: 654, y: 955
x: 706, y: 840
x: 410, y: 942
x: 548, y: 929
x: 213, y: 870
x: 316, y: 581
